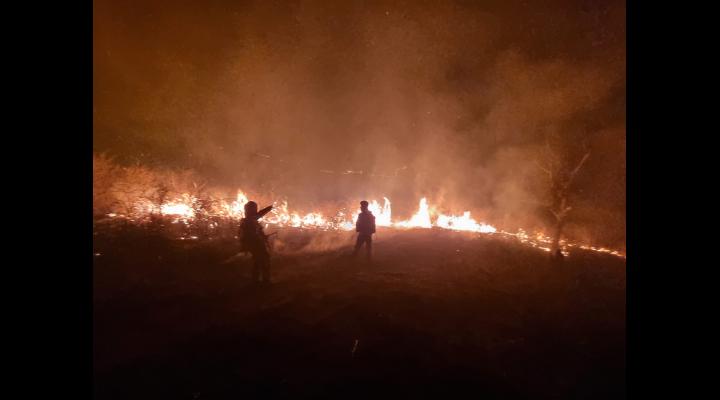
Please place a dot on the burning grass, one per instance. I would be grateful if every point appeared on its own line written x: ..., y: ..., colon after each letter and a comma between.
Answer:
x: 176, y: 205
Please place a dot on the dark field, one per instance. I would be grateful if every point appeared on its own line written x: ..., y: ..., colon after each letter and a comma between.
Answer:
x: 435, y: 315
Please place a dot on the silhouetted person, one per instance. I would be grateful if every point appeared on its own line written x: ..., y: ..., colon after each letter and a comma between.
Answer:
x: 254, y: 241
x: 365, y: 227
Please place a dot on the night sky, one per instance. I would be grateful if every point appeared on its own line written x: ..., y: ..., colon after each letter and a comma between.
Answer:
x: 328, y: 99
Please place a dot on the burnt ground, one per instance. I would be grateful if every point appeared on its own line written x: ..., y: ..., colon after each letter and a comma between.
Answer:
x: 436, y: 314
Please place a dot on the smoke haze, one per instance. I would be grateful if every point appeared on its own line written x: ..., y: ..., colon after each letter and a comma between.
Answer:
x: 324, y: 101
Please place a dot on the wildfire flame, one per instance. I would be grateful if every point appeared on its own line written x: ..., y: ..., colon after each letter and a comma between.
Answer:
x: 464, y: 223
x: 181, y: 208
x: 383, y: 216
x: 185, y: 209
x: 420, y: 219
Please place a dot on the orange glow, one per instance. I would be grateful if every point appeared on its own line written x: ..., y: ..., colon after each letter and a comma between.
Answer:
x: 183, y: 209
x: 420, y: 219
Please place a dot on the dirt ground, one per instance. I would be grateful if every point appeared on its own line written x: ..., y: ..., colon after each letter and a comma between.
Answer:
x: 436, y: 314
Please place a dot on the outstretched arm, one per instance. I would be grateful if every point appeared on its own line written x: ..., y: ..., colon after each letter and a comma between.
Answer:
x: 264, y: 211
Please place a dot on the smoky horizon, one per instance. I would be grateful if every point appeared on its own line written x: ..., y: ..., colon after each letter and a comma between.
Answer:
x: 465, y: 103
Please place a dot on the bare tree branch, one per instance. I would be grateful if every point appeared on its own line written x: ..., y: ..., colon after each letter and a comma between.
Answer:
x: 575, y: 171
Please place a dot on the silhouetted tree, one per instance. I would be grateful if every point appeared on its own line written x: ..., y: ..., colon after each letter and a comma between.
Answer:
x: 560, y: 169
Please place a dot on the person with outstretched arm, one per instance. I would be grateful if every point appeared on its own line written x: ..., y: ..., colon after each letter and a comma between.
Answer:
x: 253, y: 240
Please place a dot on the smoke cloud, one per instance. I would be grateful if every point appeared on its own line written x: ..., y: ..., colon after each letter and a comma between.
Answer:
x: 324, y: 101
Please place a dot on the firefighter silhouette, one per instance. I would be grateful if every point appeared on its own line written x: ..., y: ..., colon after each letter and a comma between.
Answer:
x: 253, y: 240
x: 365, y: 227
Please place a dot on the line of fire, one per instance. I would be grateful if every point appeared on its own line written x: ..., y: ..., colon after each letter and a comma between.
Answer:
x: 201, y: 218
